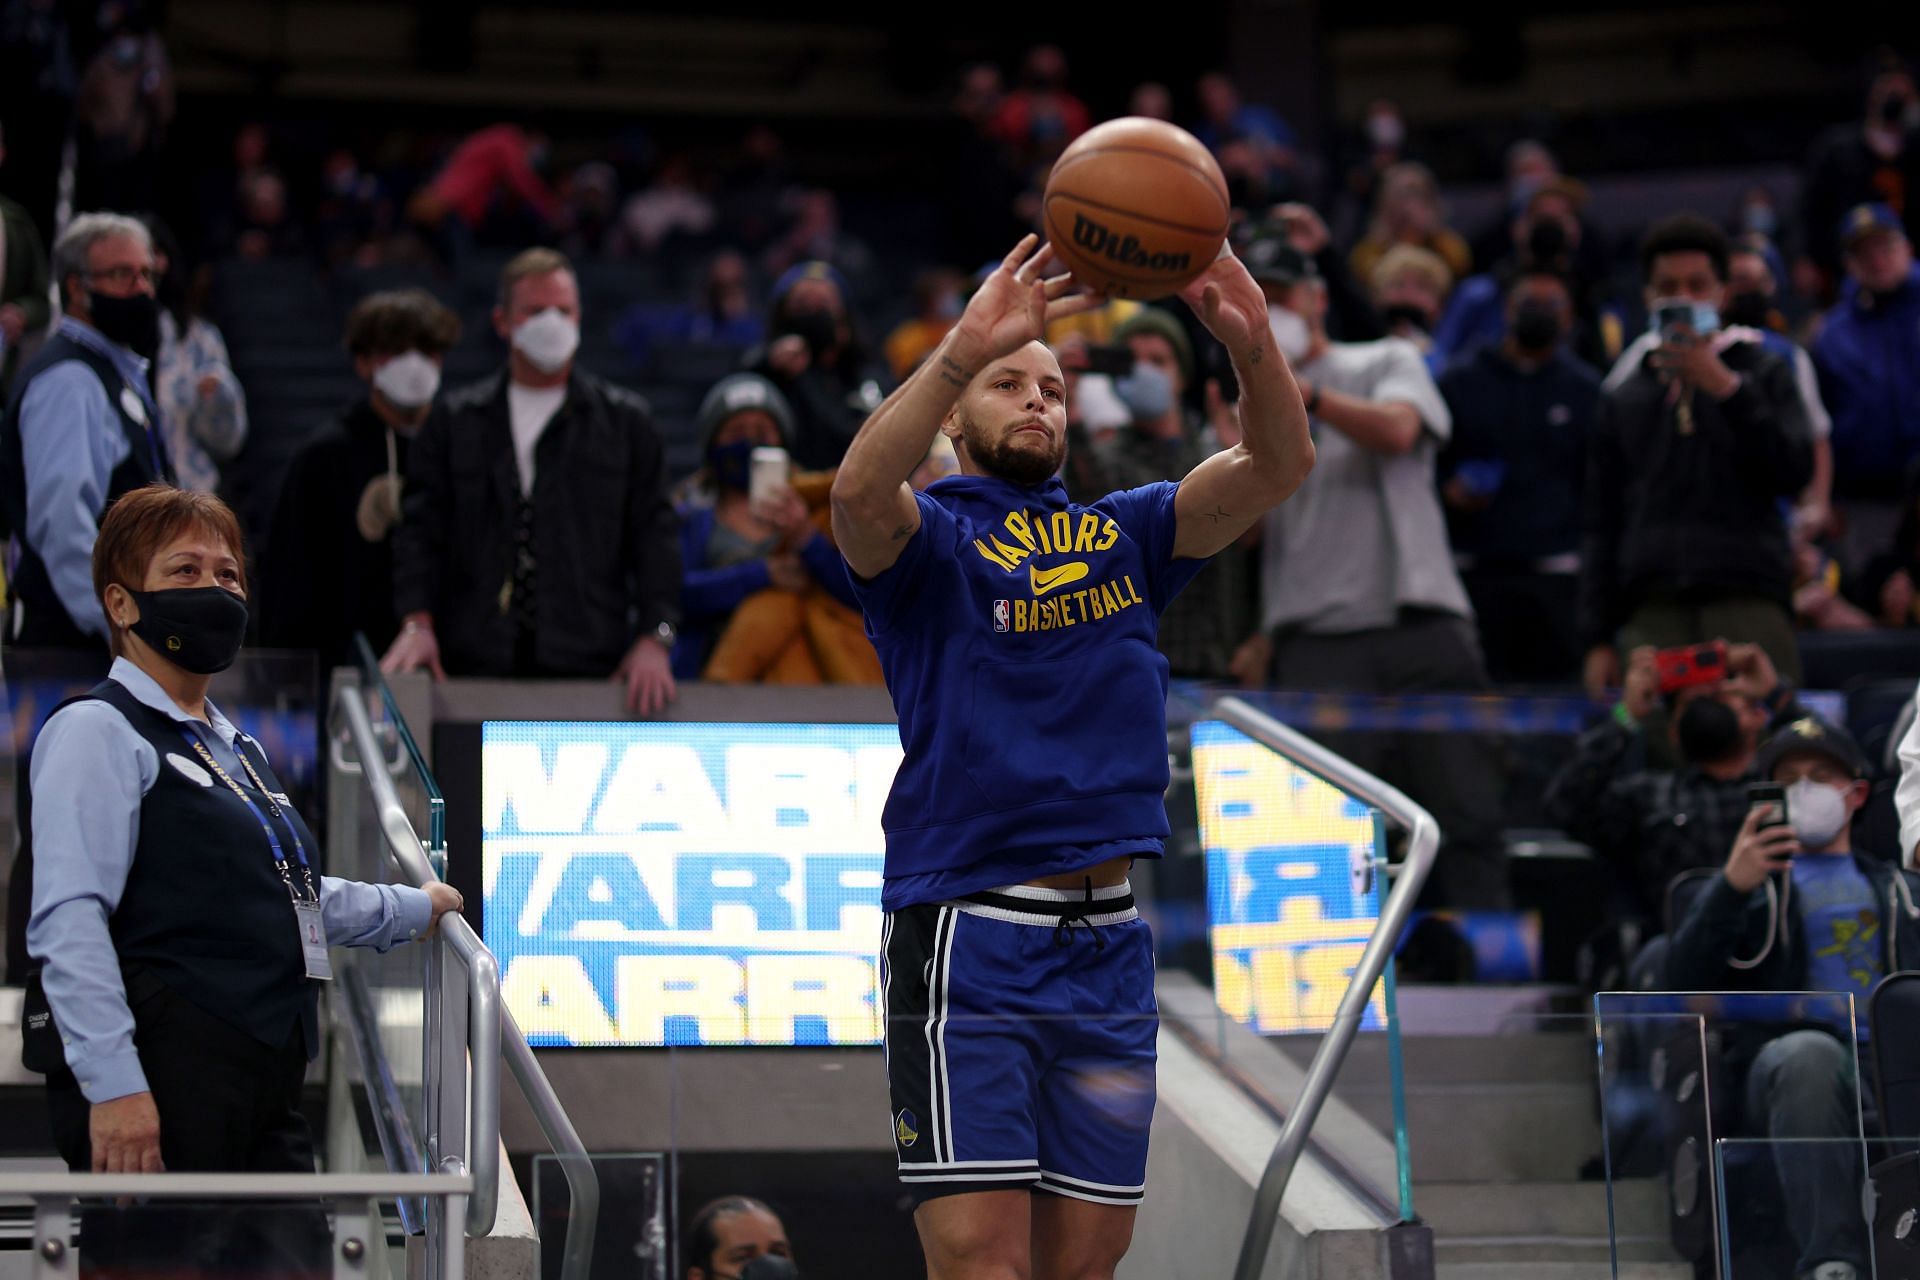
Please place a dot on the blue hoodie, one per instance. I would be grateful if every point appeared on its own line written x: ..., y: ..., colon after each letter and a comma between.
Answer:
x: 1868, y: 357
x: 1017, y: 635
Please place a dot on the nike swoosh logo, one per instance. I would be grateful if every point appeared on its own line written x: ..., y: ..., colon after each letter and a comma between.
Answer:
x: 1045, y: 580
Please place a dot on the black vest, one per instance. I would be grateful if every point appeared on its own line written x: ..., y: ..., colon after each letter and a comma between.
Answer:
x: 46, y: 620
x: 204, y: 908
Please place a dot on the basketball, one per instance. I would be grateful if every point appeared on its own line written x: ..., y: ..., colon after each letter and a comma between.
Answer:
x: 1136, y: 208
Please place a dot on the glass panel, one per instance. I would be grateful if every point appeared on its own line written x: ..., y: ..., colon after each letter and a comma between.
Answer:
x: 233, y: 1239
x: 1790, y: 1205
x: 419, y: 790
x: 1656, y: 1130
x: 628, y: 1236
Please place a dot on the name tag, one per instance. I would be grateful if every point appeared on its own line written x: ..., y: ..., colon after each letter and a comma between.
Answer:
x: 313, y: 940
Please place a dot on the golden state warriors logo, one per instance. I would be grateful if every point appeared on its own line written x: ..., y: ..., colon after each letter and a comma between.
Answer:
x: 903, y: 1128
x: 1045, y: 535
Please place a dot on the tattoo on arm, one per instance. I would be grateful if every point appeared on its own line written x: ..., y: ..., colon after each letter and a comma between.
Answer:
x: 954, y: 372
x: 1255, y: 356
x: 1219, y: 513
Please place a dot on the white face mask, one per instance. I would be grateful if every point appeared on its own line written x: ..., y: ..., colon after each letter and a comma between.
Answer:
x: 1290, y: 332
x: 408, y: 381
x: 1818, y: 812
x: 548, y: 340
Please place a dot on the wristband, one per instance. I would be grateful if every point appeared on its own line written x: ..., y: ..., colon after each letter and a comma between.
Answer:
x: 1624, y: 716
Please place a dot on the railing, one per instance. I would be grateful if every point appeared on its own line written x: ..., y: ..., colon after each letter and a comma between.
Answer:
x: 491, y: 1030
x: 1408, y: 876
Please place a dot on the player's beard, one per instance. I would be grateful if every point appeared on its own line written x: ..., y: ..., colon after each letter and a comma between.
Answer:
x: 1004, y: 461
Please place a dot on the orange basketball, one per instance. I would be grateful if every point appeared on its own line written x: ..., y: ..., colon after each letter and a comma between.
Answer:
x: 1136, y: 208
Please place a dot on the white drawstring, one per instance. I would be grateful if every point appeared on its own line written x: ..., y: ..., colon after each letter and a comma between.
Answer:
x: 1777, y: 902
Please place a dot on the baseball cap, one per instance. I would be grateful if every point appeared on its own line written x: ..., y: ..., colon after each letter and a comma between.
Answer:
x: 1811, y: 733
x: 1865, y: 219
x: 1271, y: 260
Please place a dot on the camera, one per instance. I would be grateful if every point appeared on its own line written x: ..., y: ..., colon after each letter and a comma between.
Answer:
x: 1691, y: 665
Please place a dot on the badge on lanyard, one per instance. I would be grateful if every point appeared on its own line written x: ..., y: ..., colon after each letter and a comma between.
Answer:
x: 313, y: 940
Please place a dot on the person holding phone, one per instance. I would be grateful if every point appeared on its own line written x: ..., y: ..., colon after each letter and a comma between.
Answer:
x: 1797, y: 908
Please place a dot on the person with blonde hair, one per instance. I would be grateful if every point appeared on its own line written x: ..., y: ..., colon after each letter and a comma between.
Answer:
x: 1407, y: 209
x: 1410, y: 287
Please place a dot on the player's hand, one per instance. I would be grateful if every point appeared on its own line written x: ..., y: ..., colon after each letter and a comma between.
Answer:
x: 1232, y: 307
x: 648, y: 675
x: 1014, y: 305
x: 1757, y: 854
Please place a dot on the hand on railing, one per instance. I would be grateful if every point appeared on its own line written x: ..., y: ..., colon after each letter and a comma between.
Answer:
x: 444, y: 898
x: 416, y: 647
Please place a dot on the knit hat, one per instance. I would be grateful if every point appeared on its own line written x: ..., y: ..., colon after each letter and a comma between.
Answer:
x: 813, y: 270
x: 1161, y: 324
x: 738, y: 392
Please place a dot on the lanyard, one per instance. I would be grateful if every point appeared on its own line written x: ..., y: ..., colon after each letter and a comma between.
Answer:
x: 273, y: 837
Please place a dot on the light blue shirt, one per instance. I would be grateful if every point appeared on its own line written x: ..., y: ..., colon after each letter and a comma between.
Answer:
x: 91, y: 771
x: 70, y: 443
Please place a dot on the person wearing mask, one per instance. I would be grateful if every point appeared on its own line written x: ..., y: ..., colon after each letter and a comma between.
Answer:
x: 536, y: 536
x: 1408, y: 211
x: 738, y: 1238
x: 1798, y: 908
x: 330, y: 546
x: 1650, y: 822
x: 1202, y: 627
x: 1410, y: 286
x: 1350, y: 313
x: 83, y: 428
x: 1358, y: 591
x: 203, y: 408
x: 1874, y: 158
x: 721, y: 312
x: 1037, y: 120
x: 183, y: 1019
x: 1228, y: 120
x: 1868, y: 356
x: 815, y: 356
x: 736, y: 550
x: 1694, y: 453
x: 23, y: 281
x: 1511, y: 478
x: 937, y: 304
x: 1754, y: 271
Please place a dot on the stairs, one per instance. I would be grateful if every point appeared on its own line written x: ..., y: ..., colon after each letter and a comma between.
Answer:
x: 1498, y: 1127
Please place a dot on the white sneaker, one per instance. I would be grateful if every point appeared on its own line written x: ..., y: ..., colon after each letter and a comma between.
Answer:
x: 1834, y: 1271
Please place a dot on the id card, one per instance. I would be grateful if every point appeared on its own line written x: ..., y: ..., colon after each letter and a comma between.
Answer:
x: 313, y: 940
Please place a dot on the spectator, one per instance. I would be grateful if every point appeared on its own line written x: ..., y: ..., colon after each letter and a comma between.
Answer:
x: 1152, y: 100
x: 1530, y: 165
x: 765, y: 597
x: 814, y: 235
x: 672, y: 204
x: 265, y: 226
x: 1511, y: 478
x: 1407, y: 210
x: 203, y: 408
x: 1693, y: 452
x: 936, y: 305
x: 1204, y: 625
x: 1650, y: 822
x: 751, y: 191
x: 82, y: 429
x: 1868, y: 355
x: 37, y: 80
x: 536, y: 535
x: 1358, y: 593
x: 1873, y: 159
x: 121, y: 112
x: 1410, y: 286
x: 490, y: 186
x: 330, y: 547
x: 589, y: 209
x: 24, y: 310
x: 817, y: 360
x: 1350, y: 314
x: 1036, y: 121
x: 1848, y: 920
x: 737, y: 1238
x: 1225, y: 117
x: 354, y: 217
x: 1383, y: 135
x: 1547, y: 235
x: 1888, y: 586
x: 982, y: 180
x: 721, y: 312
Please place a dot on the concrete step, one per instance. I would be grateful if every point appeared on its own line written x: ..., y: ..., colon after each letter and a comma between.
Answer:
x: 1551, y: 1210
x: 1513, y: 1133
x: 1601, y: 1269
x: 1543, y: 1251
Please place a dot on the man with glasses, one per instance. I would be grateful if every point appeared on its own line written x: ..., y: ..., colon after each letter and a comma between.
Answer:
x: 81, y: 430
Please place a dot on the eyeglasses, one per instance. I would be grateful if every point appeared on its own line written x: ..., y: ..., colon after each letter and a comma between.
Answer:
x: 124, y: 276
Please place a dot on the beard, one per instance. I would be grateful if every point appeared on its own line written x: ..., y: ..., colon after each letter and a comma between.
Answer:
x: 1006, y: 460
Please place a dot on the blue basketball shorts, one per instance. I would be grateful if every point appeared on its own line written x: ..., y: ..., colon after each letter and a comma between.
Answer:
x: 1020, y: 1044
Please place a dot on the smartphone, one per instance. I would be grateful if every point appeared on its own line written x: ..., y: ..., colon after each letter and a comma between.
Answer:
x: 1690, y: 665
x: 767, y: 472
x: 1772, y: 797
x: 1673, y: 321
x: 1114, y: 361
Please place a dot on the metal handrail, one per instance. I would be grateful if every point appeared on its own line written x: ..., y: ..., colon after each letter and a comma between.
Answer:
x: 235, y: 1186
x: 483, y: 973
x: 583, y: 1183
x: 1423, y: 845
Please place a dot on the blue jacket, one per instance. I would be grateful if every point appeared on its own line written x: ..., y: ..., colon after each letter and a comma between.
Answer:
x: 708, y: 597
x: 1868, y: 358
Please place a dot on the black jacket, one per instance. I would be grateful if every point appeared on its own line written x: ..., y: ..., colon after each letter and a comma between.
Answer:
x: 605, y: 535
x: 1686, y: 505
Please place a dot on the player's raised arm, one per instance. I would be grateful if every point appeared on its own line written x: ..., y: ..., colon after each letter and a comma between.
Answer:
x: 873, y: 509
x: 1222, y: 497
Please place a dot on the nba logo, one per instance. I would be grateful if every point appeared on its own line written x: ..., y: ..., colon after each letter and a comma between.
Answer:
x: 999, y: 615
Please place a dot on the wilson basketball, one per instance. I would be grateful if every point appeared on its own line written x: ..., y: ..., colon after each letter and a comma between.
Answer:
x: 1136, y: 208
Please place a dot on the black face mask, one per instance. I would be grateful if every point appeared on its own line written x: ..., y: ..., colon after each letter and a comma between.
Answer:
x: 197, y: 629
x: 732, y: 464
x: 817, y: 328
x: 1536, y: 326
x: 1752, y: 309
x: 1893, y: 108
x: 1407, y: 313
x: 132, y: 322
x: 1709, y: 731
x: 770, y: 1266
x: 1546, y: 243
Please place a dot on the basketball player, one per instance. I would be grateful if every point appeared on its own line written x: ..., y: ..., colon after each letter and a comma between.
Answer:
x: 1017, y: 634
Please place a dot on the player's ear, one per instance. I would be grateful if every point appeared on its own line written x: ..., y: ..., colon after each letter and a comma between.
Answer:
x: 950, y: 425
